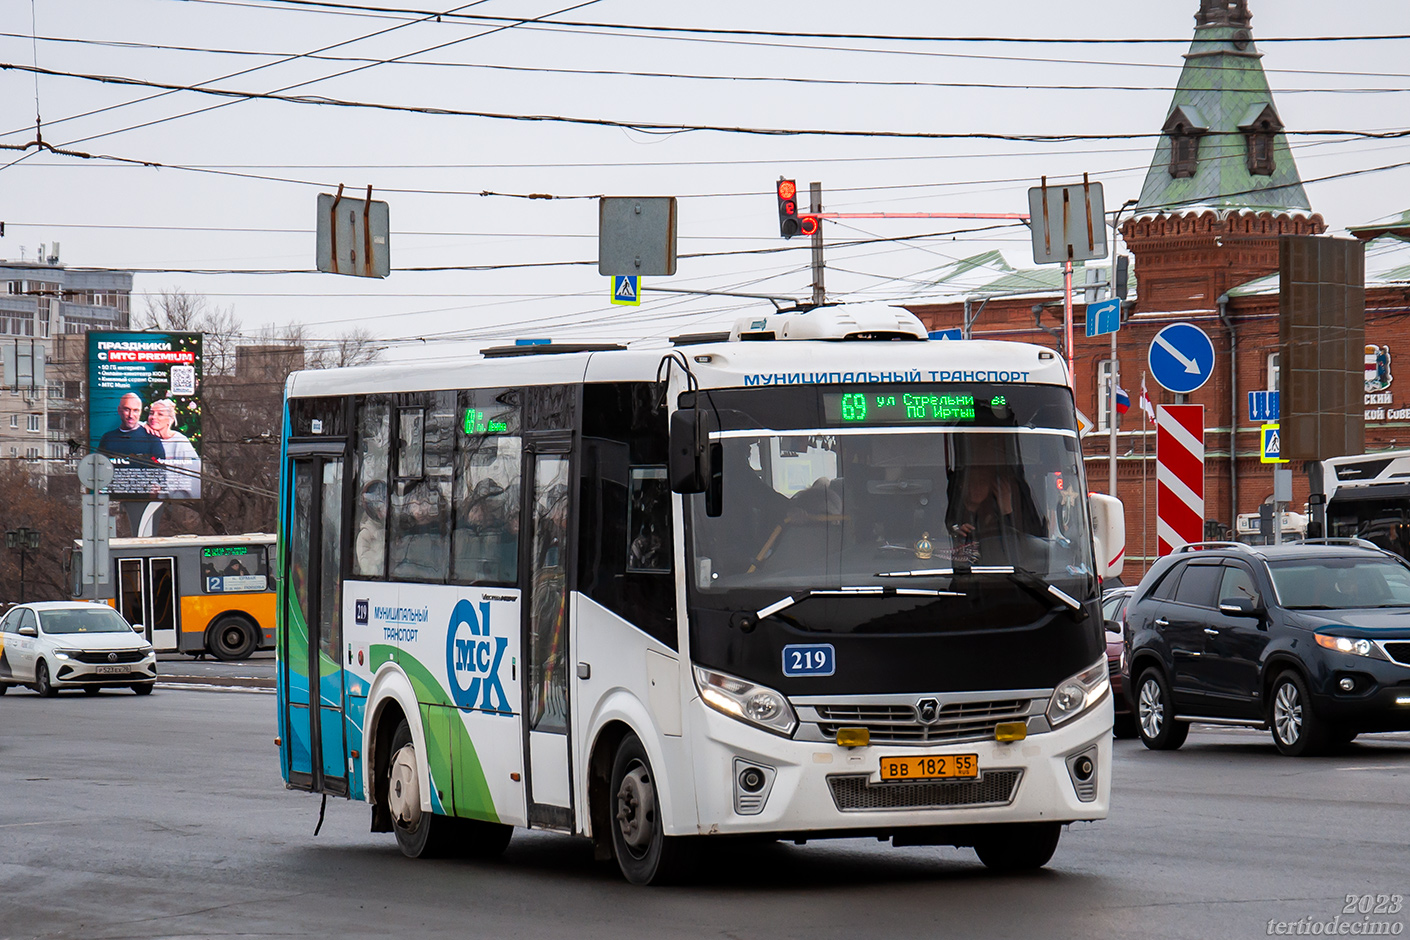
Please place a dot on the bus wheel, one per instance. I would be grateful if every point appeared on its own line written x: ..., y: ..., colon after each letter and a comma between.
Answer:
x: 231, y: 638
x: 644, y: 853
x: 1018, y: 846
x: 419, y: 834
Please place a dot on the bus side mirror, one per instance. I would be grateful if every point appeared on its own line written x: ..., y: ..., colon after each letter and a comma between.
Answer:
x: 689, y: 452
x: 1108, y: 534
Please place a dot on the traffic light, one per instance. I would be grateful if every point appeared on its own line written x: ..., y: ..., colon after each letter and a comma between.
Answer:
x: 788, y: 223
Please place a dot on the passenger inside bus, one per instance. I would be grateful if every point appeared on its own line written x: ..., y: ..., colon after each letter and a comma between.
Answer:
x: 990, y: 515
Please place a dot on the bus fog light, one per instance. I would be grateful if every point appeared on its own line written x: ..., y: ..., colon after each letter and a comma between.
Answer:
x: 752, y: 784
x: 853, y: 737
x: 1082, y: 768
x: 1009, y: 731
x: 1347, y: 684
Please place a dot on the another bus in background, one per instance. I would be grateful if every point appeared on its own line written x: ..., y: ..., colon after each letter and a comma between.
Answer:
x: 1368, y: 497
x: 193, y: 594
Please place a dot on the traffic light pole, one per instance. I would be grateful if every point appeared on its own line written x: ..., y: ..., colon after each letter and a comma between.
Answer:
x: 815, y: 201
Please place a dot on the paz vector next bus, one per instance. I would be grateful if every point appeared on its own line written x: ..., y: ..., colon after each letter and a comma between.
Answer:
x: 815, y: 577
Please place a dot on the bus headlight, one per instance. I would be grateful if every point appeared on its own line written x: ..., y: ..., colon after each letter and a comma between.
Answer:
x: 1074, y: 696
x: 746, y: 701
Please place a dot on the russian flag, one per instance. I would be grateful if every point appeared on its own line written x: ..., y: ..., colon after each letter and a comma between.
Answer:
x: 1123, y: 401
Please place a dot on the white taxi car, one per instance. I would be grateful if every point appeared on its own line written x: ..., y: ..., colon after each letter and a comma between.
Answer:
x: 54, y: 645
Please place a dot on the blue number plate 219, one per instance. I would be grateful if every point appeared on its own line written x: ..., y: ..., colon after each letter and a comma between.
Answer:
x: 809, y: 659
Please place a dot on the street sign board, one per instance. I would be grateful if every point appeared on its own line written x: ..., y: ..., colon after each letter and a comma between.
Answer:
x: 956, y: 333
x: 1068, y: 223
x: 626, y: 289
x: 1104, y: 317
x: 95, y: 471
x: 1271, y: 445
x: 1181, y: 358
x: 1179, y: 476
x: 636, y: 235
x: 353, y: 236
x: 1263, y: 406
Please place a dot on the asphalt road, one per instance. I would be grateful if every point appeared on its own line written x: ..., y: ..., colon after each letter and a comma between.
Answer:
x: 165, y: 816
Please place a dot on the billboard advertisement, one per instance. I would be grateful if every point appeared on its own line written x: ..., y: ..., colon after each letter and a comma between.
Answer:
x: 144, y: 413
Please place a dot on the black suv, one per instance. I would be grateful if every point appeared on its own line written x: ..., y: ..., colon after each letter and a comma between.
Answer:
x: 1311, y: 640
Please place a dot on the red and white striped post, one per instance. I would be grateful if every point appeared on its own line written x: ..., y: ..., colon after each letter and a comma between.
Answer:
x: 1179, y: 476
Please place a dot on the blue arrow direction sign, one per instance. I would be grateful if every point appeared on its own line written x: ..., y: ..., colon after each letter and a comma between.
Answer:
x: 626, y: 289
x: 1181, y: 358
x: 1263, y: 406
x: 947, y: 334
x: 1104, y: 317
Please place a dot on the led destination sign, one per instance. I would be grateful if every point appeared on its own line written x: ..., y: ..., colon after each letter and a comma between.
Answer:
x: 900, y: 406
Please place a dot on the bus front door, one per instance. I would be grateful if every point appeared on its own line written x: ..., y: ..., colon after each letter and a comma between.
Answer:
x: 546, y: 628
x: 147, y: 595
x: 312, y: 639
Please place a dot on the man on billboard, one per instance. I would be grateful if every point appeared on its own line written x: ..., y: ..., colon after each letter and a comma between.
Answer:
x: 131, y: 437
x: 183, y: 474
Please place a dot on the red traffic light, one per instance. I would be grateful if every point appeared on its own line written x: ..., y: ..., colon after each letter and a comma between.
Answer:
x: 787, y: 208
x: 807, y: 225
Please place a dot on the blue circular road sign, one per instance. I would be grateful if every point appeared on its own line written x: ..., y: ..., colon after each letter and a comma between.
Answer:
x: 1181, y: 358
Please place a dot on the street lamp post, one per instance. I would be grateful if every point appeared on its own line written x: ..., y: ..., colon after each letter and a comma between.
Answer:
x: 24, y: 541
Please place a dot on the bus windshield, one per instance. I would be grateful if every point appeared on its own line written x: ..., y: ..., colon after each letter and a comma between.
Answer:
x: 885, y: 501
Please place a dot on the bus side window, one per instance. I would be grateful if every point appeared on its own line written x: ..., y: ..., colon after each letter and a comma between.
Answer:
x: 488, y: 454
x: 374, y: 431
x: 419, y: 548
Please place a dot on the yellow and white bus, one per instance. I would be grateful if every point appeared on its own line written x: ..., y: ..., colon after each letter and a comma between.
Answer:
x: 843, y: 582
x: 192, y: 594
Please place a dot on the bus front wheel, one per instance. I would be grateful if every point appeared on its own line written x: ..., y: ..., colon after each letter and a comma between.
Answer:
x: 420, y: 834
x: 645, y: 854
x: 1018, y: 846
x: 231, y: 638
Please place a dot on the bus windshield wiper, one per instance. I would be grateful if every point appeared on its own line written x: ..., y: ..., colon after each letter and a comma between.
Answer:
x: 876, y: 590
x: 1020, y: 576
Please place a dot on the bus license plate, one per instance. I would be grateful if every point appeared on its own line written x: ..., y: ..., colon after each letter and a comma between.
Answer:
x: 110, y: 670
x: 930, y: 768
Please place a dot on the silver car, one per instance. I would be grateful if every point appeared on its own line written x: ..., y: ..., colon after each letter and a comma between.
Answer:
x: 55, y: 645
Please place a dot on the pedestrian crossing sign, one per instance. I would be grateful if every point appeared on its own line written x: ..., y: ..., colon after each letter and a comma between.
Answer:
x: 626, y: 289
x: 1272, y: 444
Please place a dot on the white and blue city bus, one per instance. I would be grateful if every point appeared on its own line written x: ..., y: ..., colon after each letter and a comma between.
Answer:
x: 816, y: 577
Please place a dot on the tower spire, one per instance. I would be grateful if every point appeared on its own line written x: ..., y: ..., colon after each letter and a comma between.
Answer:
x: 1223, y: 13
x: 1223, y: 146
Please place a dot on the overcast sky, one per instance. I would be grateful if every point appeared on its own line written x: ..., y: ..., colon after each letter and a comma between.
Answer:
x: 270, y: 159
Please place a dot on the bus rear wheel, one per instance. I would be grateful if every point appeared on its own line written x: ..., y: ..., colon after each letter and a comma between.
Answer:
x: 231, y: 638
x: 645, y: 854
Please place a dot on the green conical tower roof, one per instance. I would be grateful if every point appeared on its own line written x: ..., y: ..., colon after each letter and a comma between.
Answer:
x: 1222, y: 100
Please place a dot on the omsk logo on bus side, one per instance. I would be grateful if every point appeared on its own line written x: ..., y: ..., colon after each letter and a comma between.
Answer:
x: 473, y: 659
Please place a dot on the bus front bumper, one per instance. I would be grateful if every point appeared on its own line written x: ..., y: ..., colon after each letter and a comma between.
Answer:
x: 751, y: 781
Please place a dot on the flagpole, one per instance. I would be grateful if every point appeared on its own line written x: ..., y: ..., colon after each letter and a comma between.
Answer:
x: 1111, y: 405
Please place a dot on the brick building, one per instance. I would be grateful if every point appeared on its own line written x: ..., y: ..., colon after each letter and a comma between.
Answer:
x: 1203, y: 238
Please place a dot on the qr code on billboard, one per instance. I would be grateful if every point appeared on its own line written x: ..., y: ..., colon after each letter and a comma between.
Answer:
x: 183, y: 380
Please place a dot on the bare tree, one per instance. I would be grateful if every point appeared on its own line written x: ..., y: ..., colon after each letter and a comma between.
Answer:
x: 179, y: 312
x: 50, y: 506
